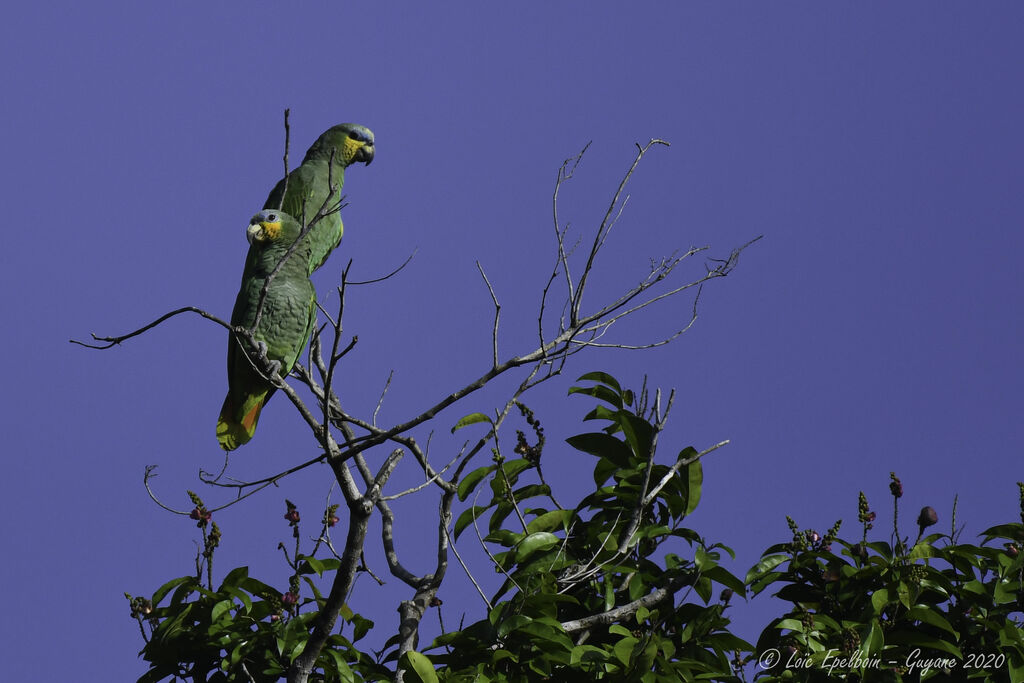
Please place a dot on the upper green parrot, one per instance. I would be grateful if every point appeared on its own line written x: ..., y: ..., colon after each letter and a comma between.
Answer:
x: 309, y: 185
x: 287, y: 319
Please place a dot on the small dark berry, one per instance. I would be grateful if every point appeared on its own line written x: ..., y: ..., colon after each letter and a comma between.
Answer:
x: 927, y: 517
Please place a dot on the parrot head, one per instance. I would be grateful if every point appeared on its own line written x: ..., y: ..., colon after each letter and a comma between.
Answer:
x: 270, y: 225
x: 354, y: 143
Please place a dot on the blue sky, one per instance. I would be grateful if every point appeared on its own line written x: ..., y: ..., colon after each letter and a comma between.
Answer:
x: 876, y: 327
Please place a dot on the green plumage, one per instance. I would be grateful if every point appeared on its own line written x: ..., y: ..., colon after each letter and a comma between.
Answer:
x: 287, y: 319
x: 308, y: 188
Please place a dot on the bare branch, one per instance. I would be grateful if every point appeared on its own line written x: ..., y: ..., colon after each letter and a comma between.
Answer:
x: 497, y: 314
x: 605, y: 228
x: 389, y: 275
x: 565, y: 172
x: 215, y: 481
x: 431, y: 478
x: 113, y: 341
x: 145, y: 481
x: 383, y: 393
x: 483, y: 544
x: 679, y: 464
x: 627, y: 610
x: 287, y: 146
x: 469, y: 574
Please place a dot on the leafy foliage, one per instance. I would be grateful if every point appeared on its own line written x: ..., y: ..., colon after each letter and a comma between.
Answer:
x: 245, y: 630
x: 589, y: 592
x: 618, y: 588
x: 933, y: 609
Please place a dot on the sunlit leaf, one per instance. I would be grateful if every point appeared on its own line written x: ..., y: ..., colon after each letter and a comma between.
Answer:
x: 471, y: 419
x: 420, y: 665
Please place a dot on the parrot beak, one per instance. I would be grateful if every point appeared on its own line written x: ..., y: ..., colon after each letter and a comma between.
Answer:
x: 254, y: 232
x: 365, y: 154
x: 263, y: 231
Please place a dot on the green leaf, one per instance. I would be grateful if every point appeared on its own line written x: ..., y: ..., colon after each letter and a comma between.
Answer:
x: 921, y: 551
x: 705, y: 560
x: 604, y: 469
x: 220, y: 608
x: 879, y: 599
x: 694, y: 474
x: 765, y: 565
x: 931, y: 616
x: 555, y: 519
x: 872, y: 645
x: 638, y: 432
x: 315, y: 564
x: 257, y: 587
x: 602, y: 377
x: 361, y: 627
x: 163, y: 590
x: 600, y: 412
x: 903, y: 591
x: 919, y: 639
x: 539, y: 540
x: 419, y: 664
x: 720, y: 575
x: 344, y: 672
x: 604, y: 446
x: 470, y: 481
x: 623, y: 649
x: 241, y: 595
x: 467, y: 517
x: 514, y: 622
x: 512, y: 468
x: 728, y: 642
x: 471, y: 419
x: 601, y: 393
x: 234, y: 577
x: 547, y: 633
x: 1013, y: 532
x: 504, y: 537
x: 791, y: 624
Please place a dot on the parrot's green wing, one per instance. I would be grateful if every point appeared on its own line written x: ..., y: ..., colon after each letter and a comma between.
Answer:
x: 287, y: 319
x: 308, y: 187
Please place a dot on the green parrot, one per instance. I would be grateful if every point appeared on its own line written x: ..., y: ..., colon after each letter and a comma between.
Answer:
x: 308, y: 186
x: 289, y: 313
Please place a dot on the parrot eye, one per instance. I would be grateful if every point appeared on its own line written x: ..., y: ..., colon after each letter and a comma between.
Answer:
x: 355, y: 135
x: 272, y: 218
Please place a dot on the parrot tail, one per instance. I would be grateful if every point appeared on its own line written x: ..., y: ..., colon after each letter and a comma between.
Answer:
x: 232, y: 432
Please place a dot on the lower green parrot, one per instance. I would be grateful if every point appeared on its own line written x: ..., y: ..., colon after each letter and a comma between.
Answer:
x: 308, y: 186
x: 287, y: 319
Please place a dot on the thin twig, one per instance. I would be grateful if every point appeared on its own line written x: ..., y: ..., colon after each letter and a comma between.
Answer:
x: 679, y: 464
x: 389, y: 275
x: 114, y: 341
x: 497, y: 313
x: 383, y: 393
x: 287, y: 146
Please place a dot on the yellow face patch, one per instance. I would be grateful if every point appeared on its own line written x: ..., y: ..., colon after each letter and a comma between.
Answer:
x: 349, y: 149
x: 270, y: 230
